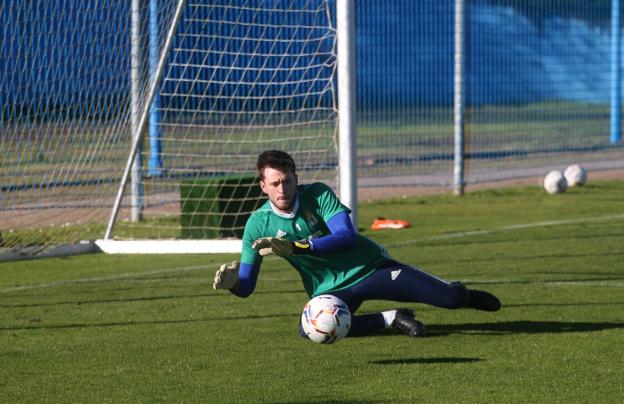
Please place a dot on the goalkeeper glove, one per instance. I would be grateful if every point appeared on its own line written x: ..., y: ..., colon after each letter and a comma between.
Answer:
x: 281, y: 246
x: 226, y: 277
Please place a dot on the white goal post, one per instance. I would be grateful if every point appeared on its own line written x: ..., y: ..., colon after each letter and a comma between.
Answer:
x: 135, y: 126
x: 249, y: 79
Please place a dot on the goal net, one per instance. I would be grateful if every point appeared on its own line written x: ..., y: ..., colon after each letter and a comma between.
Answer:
x: 198, y: 88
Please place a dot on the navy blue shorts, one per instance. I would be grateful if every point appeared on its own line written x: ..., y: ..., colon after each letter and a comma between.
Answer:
x: 399, y: 282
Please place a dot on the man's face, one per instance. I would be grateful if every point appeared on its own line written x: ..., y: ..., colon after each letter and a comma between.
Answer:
x: 280, y: 187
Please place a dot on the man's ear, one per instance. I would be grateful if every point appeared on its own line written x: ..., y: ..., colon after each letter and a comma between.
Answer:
x: 263, y: 186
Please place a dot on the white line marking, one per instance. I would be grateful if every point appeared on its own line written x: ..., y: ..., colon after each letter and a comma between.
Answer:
x: 403, y: 243
x: 129, y: 275
x: 509, y: 228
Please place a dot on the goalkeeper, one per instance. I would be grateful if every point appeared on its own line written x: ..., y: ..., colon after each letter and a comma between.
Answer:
x: 309, y: 227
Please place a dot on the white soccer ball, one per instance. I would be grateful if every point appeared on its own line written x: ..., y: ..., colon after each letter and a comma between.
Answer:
x: 326, y: 319
x: 575, y: 175
x: 555, y: 182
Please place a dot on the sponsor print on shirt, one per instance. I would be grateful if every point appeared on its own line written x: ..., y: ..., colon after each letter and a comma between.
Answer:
x: 310, y: 218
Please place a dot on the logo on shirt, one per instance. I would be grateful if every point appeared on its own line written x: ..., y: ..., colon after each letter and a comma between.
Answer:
x: 395, y: 274
x: 310, y: 218
x: 280, y: 233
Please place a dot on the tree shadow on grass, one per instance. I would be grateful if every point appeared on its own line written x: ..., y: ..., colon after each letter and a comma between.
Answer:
x: 562, y: 281
x: 424, y: 361
x: 136, y: 299
x: 504, y: 328
x: 500, y: 328
x: 325, y: 401
x: 519, y: 327
x: 575, y: 304
x: 433, y: 330
x: 531, y: 257
x: 35, y: 324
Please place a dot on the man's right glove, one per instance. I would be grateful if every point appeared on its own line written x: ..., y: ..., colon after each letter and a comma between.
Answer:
x: 281, y: 246
x: 227, y: 276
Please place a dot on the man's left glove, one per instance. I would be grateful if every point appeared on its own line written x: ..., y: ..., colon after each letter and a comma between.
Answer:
x: 227, y: 276
x: 281, y: 246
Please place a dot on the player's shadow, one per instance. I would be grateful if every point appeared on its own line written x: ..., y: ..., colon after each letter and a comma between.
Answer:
x: 519, y: 327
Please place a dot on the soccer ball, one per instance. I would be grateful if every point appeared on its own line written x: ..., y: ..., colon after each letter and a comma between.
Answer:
x: 326, y: 319
x: 575, y: 175
x: 555, y: 182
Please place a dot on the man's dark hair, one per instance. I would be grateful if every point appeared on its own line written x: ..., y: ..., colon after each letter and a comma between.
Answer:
x: 275, y: 159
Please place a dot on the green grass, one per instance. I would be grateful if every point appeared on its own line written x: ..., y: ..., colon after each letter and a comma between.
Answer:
x: 99, y: 328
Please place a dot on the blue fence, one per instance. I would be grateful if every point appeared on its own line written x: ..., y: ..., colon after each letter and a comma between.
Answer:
x: 516, y: 52
x: 538, y: 89
x: 541, y: 79
x: 55, y: 59
x: 527, y: 62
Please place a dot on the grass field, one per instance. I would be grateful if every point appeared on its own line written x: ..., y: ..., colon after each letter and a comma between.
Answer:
x: 98, y: 328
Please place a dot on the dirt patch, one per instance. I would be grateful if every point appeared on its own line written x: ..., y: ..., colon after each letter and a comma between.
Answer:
x: 373, y: 194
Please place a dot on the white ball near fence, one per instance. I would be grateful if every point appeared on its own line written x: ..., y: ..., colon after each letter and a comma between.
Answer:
x: 575, y: 175
x: 555, y: 182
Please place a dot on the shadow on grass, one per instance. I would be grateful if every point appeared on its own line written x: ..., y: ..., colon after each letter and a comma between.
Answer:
x: 35, y: 324
x: 433, y: 330
x: 495, y: 238
x: 519, y: 327
x: 503, y: 328
x: 566, y: 281
x: 512, y: 257
x: 423, y: 361
x: 80, y: 302
x: 325, y: 401
x: 578, y: 304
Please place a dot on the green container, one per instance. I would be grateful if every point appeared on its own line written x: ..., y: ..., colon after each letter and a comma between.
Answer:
x: 219, y: 206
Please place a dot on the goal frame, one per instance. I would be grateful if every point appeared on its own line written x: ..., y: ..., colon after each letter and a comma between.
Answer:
x: 347, y: 176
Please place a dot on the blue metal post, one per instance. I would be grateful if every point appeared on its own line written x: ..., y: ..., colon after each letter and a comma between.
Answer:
x: 616, y: 70
x: 155, y: 163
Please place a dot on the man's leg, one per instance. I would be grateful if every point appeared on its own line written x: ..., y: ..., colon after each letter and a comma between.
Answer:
x: 362, y: 324
x: 397, y: 282
x: 478, y: 299
x: 403, y: 283
x: 365, y: 324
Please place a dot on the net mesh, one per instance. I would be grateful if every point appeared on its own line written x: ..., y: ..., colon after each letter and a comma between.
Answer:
x: 241, y: 77
x: 244, y: 76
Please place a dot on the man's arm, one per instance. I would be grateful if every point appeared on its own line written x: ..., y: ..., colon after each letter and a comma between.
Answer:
x: 247, y: 278
x: 342, y: 237
x: 239, y: 279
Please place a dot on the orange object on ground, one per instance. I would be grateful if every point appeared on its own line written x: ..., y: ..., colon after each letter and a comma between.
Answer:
x: 382, y: 224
